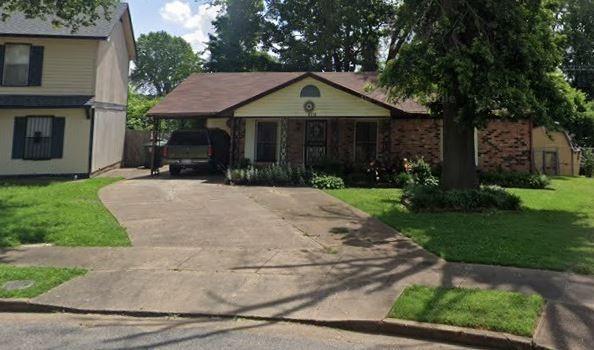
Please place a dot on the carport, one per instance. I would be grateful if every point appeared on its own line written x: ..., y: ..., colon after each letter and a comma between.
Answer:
x: 158, y: 132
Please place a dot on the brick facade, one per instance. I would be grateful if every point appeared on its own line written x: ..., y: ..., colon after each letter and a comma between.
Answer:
x: 502, y: 144
x: 505, y: 145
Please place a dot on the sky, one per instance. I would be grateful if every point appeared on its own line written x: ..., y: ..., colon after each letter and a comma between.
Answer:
x: 190, y: 19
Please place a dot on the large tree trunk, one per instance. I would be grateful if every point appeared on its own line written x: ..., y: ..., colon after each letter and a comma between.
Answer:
x: 459, y: 168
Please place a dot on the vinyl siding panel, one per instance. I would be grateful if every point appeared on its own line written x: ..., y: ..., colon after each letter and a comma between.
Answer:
x: 68, y: 67
x: 332, y: 103
x: 112, y: 68
x: 76, y: 144
x: 108, y: 140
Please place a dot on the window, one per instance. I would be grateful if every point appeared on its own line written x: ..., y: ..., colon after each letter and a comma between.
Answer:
x: 16, y: 65
x: 365, y: 141
x: 38, y: 138
x: 310, y: 91
x: 266, y: 142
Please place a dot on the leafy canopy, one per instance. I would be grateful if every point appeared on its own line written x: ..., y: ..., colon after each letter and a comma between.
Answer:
x: 493, y: 59
x: 163, y: 61
x: 71, y: 13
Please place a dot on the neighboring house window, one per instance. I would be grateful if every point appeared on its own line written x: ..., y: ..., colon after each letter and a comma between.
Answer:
x: 310, y: 91
x: 16, y: 65
x: 365, y: 141
x: 38, y: 138
x: 266, y: 133
x: 21, y: 65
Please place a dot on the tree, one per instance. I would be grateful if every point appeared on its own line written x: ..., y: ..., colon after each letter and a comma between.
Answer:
x: 327, y: 35
x: 162, y: 62
x: 138, y: 107
x: 73, y: 14
x: 238, y: 32
x: 476, y: 61
x: 576, y: 23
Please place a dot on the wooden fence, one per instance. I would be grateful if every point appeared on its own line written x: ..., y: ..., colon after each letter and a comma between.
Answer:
x: 134, y: 150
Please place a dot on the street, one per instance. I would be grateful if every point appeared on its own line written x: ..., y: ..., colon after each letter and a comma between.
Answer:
x: 60, y: 331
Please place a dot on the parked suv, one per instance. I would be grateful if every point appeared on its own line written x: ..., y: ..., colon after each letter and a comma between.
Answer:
x: 194, y: 149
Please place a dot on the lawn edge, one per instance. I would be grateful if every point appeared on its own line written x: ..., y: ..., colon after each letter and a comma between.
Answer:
x: 395, y: 327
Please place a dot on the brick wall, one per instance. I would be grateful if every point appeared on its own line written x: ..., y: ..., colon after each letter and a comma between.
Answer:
x: 505, y: 145
x: 411, y: 138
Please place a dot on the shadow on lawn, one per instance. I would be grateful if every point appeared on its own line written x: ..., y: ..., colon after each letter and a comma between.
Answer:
x: 17, y: 228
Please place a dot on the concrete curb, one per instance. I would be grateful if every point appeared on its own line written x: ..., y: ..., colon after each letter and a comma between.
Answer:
x: 411, y: 329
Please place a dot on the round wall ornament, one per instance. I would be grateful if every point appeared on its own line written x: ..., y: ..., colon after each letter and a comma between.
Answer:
x: 309, y: 106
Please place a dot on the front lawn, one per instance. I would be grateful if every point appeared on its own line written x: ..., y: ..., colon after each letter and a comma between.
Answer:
x: 555, y: 229
x: 499, y: 311
x: 45, y: 278
x: 67, y: 213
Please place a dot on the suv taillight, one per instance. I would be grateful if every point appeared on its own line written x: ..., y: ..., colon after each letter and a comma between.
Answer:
x: 209, y: 150
x: 165, y: 152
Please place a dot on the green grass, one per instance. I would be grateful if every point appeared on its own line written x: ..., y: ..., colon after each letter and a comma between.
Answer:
x: 66, y: 213
x: 45, y: 279
x: 499, y: 311
x: 555, y: 229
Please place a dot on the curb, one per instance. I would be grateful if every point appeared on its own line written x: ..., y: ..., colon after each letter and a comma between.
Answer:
x: 410, y: 329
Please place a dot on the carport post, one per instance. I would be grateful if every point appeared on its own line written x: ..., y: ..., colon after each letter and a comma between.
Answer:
x: 154, y: 140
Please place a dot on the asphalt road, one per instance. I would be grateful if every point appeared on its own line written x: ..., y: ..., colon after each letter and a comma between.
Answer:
x: 63, y: 331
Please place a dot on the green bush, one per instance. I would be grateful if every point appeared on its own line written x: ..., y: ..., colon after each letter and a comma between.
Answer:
x: 327, y: 182
x: 270, y: 175
x: 515, y: 179
x: 432, y: 198
x: 402, y: 180
x: 421, y: 172
x: 588, y: 162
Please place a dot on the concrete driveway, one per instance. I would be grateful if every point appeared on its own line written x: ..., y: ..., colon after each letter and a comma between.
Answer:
x: 293, y: 253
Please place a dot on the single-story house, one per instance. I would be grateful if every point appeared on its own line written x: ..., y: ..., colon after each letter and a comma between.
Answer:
x: 305, y: 117
x: 63, y: 95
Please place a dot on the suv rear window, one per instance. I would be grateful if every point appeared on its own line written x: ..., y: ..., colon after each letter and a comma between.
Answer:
x: 189, y: 138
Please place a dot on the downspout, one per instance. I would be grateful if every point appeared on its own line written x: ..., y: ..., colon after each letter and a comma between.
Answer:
x: 91, y: 116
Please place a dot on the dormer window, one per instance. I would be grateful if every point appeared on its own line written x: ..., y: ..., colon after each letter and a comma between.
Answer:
x: 16, y: 65
x: 310, y: 91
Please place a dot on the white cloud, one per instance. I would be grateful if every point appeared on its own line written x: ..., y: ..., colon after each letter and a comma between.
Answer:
x: 199, y: 21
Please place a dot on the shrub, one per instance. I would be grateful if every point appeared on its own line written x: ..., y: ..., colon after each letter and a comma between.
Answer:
x: 421, y: 172
x: 588, y: 162
x: 515, y: 179
x: 270, y: 175
x: 432, y: 198
x: 402, y: 180
x: 327, y: 182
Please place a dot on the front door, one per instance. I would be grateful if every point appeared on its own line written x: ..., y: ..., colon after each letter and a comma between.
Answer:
x: 550, y: 160
x: 315, y: 141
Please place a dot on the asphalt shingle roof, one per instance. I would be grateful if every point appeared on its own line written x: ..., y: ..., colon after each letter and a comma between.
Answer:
x: 18, y: 25
x: 211, y: 94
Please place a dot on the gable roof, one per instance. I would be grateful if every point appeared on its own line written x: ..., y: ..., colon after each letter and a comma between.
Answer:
x: 18, y: 25
x: 218, y: 94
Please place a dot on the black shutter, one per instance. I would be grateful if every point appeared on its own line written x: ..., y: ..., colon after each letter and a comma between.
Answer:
x: 1, y: 64
x: 35, y: 65
x: 18, y: 137
x: 58, y: 137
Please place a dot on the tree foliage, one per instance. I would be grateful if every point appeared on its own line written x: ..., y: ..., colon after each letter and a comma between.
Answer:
x: 476, y: 61
x: 576, y: 23
x: 72, y: 13
x: 138, y: 107
x: 163, y: 61
x: 327, y: 35
x: 238, y: 33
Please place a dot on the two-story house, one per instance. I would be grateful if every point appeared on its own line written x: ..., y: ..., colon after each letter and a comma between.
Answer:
x: 63, y: 95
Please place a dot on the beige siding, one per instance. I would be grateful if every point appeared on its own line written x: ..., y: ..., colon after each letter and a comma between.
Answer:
x: 68, y: 67
x: 108, y: 140
x: 218, y: 123
x: 555, y: 141
x: 113, y: 68
x: 76, y: 144
x: 332, y: 103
